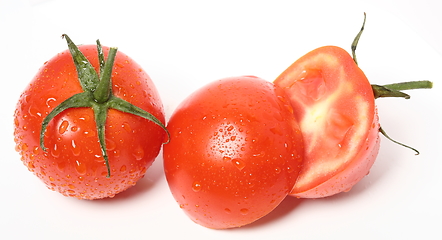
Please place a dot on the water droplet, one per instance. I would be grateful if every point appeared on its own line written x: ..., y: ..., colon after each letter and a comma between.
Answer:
x: 55, y: 152
x: 84, y: 118
x: 31, y: 166
x: 61, y: 165
x: 238, y: 164
x: 89, y: 133
x: 33, y: 111
x: 228, y: 211
x: 276, y: 131
x: 126, y: 127
x: 123, y: 168
x: 50, y: 102
x: 196, y: 186
x: 80, y: 167
x: 35, y: 150
x: 63, y: 127
x: 110, y: 144
x: 24, y: 147
x: 278, y: 170
x: 225, y: 158
x: 244, y: 211
x: 71, y: 186
x: 290, y: 169
x: 75, y: 149
x: 116, y: 153
x: 138, y: 153
x: 230, y: 128
x: 260, y: 154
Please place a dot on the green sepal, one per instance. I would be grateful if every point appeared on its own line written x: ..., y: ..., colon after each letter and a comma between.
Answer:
x: 383, y: 91
x: 100, y: 56
x: 125, y: 106
x: 381, y: 130
x: 84, y: 99
x: 86, y: 73
x: 100, y: 113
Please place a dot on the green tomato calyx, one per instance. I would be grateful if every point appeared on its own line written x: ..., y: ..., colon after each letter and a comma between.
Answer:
x: 97, y: 94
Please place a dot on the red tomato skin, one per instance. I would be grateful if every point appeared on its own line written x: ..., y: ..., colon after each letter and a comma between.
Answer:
x: 234, y: 153
x: 334, y: 103
x: 73, y: 163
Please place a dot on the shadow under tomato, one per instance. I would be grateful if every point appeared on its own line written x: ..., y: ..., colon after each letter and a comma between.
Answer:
x: 153, y: 175
x: 288, y: 205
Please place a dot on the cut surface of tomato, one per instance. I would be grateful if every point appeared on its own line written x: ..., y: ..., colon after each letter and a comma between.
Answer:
x: 334, y: 103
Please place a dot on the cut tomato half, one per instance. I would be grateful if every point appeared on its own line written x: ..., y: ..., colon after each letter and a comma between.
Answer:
x: 334, y: 104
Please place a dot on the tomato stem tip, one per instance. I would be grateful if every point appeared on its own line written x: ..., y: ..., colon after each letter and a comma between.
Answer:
x: 381, y: 130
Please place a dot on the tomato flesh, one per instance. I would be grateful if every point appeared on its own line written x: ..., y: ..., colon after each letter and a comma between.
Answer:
x: 235, y: 152
x: 73, y: 163
x: 334, y: 103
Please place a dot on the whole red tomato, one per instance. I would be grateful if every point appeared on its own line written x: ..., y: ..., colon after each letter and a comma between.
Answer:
x: 91, y: 150
x: 234, y: 153
x: 334, y: 103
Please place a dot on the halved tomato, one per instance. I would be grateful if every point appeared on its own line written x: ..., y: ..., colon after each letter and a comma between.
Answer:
x: 334, y: 103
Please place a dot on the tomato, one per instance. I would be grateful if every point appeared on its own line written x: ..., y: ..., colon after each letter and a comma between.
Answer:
x: 334, y: 103
x: 235, y: 151
x: 73, y: 163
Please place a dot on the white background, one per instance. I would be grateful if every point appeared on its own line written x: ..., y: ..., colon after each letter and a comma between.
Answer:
x: 185, y: 44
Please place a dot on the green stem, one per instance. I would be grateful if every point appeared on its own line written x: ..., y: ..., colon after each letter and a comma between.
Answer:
x: 103, y: 91
x: 394, y: 90
x: 355, y: 42
x: 410, y: 85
